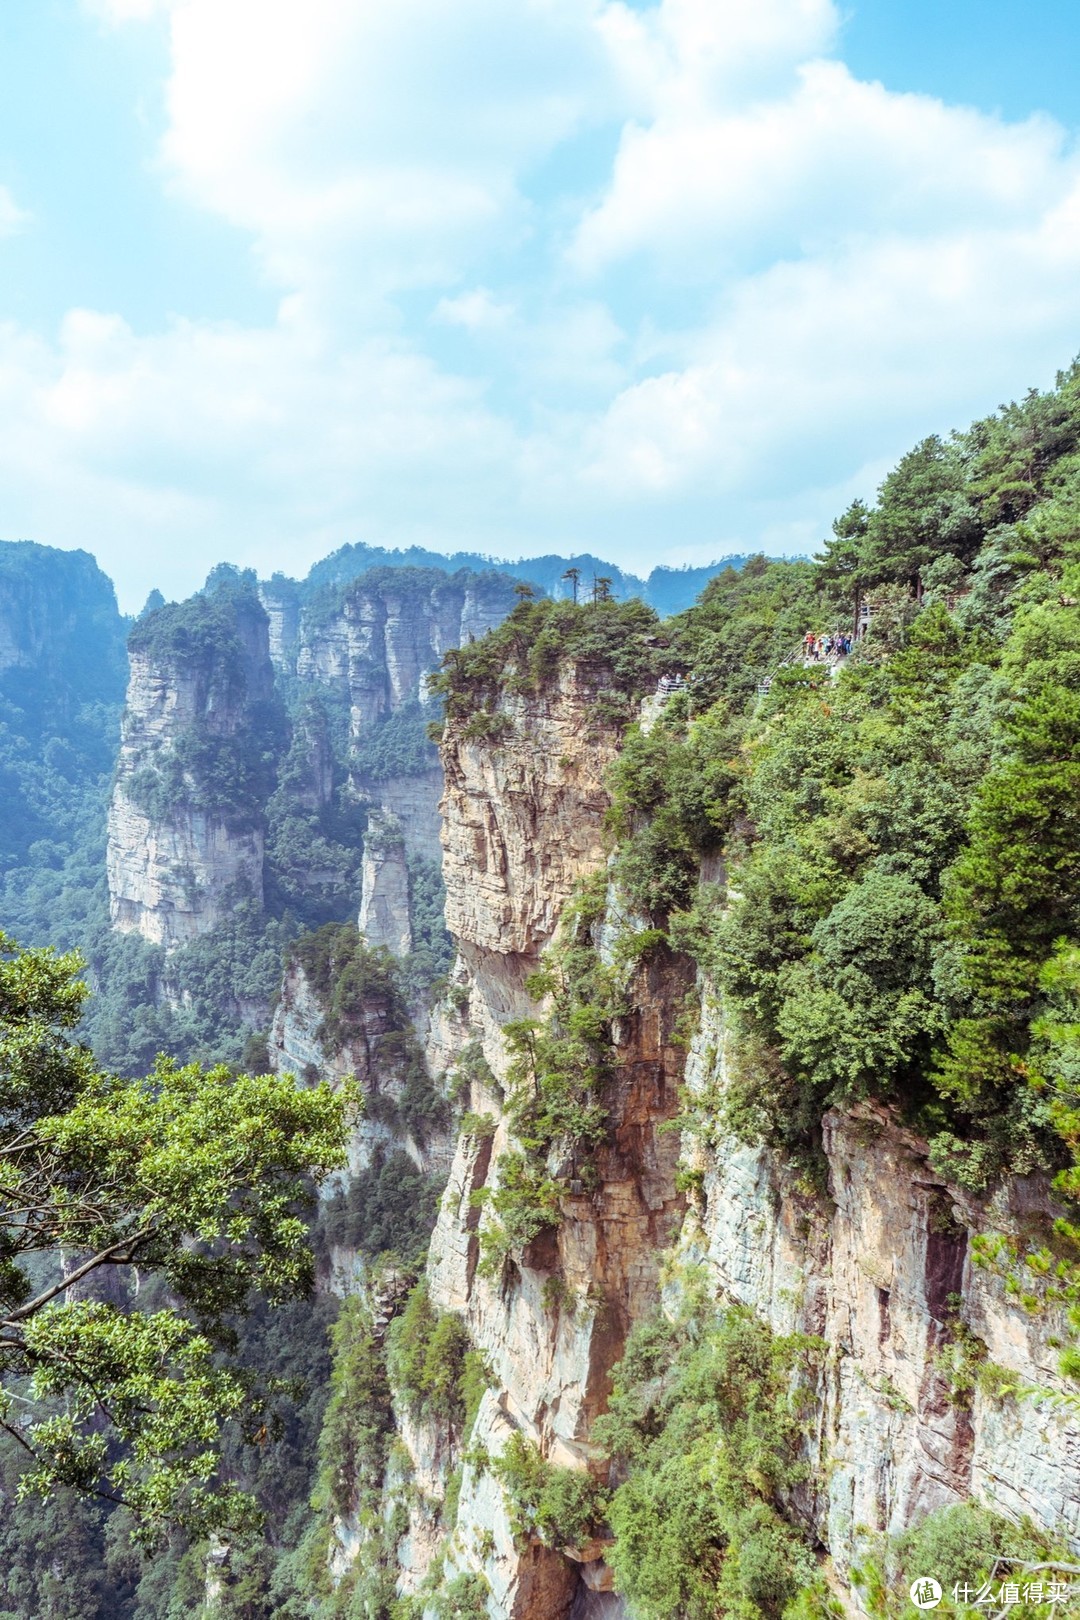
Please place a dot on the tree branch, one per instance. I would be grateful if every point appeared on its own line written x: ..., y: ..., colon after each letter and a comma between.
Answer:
x: 114, y: 1255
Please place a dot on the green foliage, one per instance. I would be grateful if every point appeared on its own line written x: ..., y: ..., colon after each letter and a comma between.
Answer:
x: 387, y: 1212
x: 671, y: 803
x: 52, y: 1555
x: 400, y: 746
x: 957, y: 1545
x: 831, y: 950
x: 314, y: 829
x: 463, y: 1598
x: 431, y: 1364
x: 559, y: 1065
x: 359, y: 990
x: 355, y: 1438
x: 471, y: 1068
x: 564, y: 1507
x: 197, y: 1177
x: 616, y: 642
x: 351, y: 980
x: 224, y: 762
x: 432, y: 954
x: 705, y: 1427
x: 895, y: 914
x: 747, y: 621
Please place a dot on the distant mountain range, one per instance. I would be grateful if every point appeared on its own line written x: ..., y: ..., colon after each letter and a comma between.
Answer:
x: 668, y: 590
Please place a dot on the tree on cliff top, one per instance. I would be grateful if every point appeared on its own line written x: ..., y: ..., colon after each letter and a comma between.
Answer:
x: 183, y: 1191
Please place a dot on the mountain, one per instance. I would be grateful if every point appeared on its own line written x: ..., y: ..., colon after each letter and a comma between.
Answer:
x: 708, y: 1240
x: 669, y: 590
x: 62, y: 676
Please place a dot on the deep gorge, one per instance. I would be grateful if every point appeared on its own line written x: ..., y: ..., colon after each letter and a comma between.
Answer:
x: 708, y: 1243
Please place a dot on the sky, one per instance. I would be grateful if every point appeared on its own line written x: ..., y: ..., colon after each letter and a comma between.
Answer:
x: 662, y: 281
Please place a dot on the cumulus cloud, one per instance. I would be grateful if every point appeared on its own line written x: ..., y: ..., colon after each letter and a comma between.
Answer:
x: 477, y: 311
x: 663, y: 279
x: 377, y: 145
x: 707, y: 189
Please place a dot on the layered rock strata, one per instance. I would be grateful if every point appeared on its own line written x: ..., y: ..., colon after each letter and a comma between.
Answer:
x: 372, y: 648
x: 523, y: 821
x: 384, y: 895
x: 882, y: 1267
x: 177, y: 860
x: 885, y: 1270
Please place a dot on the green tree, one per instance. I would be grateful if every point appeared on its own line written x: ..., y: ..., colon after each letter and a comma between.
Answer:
x: 137, y: 1218
x: 924, y: 508
x: 844, y: 559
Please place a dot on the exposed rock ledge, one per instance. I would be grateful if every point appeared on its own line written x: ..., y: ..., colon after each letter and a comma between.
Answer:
x: 877, y: 1271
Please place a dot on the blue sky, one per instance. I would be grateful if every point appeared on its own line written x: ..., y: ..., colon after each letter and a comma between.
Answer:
x: 657, y: 280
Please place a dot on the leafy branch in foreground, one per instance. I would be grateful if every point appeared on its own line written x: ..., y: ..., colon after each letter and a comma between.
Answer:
x: 187, y: 1188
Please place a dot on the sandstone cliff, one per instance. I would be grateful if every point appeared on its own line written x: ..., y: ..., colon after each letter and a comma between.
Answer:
x: 195, y: 823
x: 884, y: 1269
x: 384, y: 895
x: 881, y: 1266
x: 185, y: 824
x: 523, y: 822
x: 370, y: 644
x: 340, y: 1017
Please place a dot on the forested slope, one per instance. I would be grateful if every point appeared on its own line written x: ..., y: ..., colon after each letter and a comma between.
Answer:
x: 869, y: 866
x: 838, y: 900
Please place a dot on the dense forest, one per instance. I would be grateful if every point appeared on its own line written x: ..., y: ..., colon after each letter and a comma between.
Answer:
x: 872, y: 857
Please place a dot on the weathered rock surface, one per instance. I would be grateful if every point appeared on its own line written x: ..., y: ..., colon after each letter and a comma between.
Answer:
x: 384, y: 897
x: 523, y: 821
x: 875, y: 1269
x: 299, y: 1045
x: 878, y: 1271
x: 413, y: 801
x: 175, y: 870
x: 281, y: 600
x: 390, y: 629
x: 371, y: 1052
x: 523, y: 818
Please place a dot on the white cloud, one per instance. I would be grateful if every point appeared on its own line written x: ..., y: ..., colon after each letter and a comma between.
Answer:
x: 383, y: 141
x: 703, y: 190
x: 476, y: 311
x: 779, y: 277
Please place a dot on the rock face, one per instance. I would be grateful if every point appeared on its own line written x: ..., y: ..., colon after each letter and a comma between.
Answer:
x: 522, y: 822
x: 877, y: 1270
x: 384, y: 897
x: 370, y: 1051
x: 185, y: 823
x: 181, y: 851
x: 280, y: 598
x: 413, y: 801
x: 299, y: 1045
x: 523, y: 818
x: 371, y: 645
